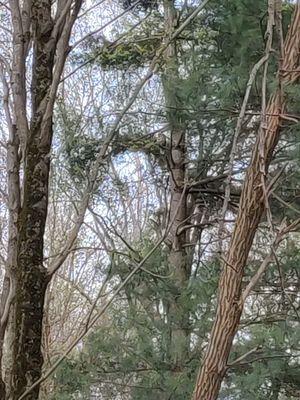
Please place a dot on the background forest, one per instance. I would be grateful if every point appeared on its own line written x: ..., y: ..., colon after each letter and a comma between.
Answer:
x: 155, y: 117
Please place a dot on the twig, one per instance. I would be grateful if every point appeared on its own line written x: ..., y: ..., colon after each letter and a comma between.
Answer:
x: 104, y: 26
x: 263, y: 123
x: 283, y: 230
x: 268, y: 357
x: 285, y: 203
x: 91, y: 8
x: 239, y: 359
x: 239, y: 125
x: 103, y: 151
x: 105, y: 307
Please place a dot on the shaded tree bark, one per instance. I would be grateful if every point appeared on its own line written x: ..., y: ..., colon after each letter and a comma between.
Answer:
x: 14, y: 204
x: 251, y: 208
x: 27, y: 278
x: 178, y: 320
x: 178, y: 260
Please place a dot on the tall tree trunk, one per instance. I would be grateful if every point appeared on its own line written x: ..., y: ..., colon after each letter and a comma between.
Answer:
x: 251, y: 208
x: 178, y: 260
x: 27, y: 275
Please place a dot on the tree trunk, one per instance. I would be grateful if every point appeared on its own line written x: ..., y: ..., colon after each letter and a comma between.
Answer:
x: 8, y: 289
x: 251, y: 208
x: 178, y: 259
x: 4, y: 298
x: 27, y: 275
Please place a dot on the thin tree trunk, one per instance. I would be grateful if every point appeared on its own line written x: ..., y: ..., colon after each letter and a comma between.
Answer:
x: 8, y: 289
x: 4, y: 298
x: 251, y: 208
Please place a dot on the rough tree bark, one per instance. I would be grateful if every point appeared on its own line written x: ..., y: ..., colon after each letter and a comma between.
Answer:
x: 251, y: 208
x: 179, y: 260
x: 29, y: 146
x: 178, y: 320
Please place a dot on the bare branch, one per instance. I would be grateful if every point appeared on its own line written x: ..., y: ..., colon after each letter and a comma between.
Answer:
x: 104, y: 26
x: 241, y: 358
x: 253, y: 73
x: 106, y: 306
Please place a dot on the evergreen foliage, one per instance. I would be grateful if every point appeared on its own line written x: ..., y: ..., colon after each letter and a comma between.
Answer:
x: 131, y: 351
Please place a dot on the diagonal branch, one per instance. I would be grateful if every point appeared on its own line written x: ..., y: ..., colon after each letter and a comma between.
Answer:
x: 251, y: 208
x: 100, y: 160
x: 93, y: 321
